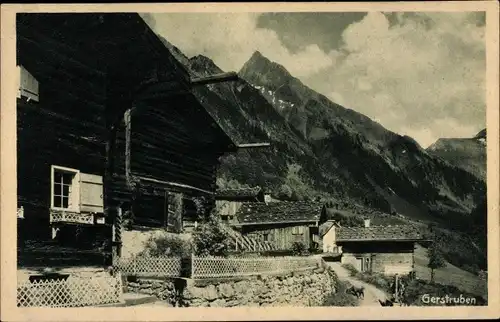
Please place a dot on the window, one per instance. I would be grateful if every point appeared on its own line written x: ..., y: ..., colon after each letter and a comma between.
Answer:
x: 298, y: 230
x: 265, y: 237
x: 65, y: 188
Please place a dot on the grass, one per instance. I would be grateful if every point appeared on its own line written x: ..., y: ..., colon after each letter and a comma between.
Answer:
x: 450, y: 275
x: 379, y: 280
x: 416, y: 290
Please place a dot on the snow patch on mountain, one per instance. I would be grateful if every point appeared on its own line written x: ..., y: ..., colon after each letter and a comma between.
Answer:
x: 270, y: 96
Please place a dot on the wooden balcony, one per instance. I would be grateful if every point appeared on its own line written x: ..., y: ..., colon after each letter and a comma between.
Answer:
x: 71, y: 217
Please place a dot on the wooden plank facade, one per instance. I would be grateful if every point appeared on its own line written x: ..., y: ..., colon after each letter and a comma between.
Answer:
x: 282, y: 223
x: 283, y: 235
x: 379, y: 249
x: 380, y: 257
x: 114, y: 107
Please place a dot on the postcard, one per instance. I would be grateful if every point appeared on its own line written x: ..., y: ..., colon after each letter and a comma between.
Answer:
x: 216, y: 161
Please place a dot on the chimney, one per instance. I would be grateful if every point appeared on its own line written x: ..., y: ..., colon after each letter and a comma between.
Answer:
x: 367, y: 223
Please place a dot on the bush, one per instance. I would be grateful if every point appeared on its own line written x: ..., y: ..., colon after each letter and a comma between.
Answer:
x: 340, y: 297
x: 210, y: 239
x: 352, y: 270
x: 379, y: 280
x: 298, y: 248
x: 314, y: 248
x: 169, y: 245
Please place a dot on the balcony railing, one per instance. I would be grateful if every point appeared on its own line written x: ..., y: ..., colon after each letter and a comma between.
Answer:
x: 61, y: 216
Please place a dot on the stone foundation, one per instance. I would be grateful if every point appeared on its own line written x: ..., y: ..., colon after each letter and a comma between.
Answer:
x: 306, y: 288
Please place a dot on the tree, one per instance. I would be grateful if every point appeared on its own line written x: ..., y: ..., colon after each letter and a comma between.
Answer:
x: 210, y: 238
x: 285, y: 192
x: 436, y: 260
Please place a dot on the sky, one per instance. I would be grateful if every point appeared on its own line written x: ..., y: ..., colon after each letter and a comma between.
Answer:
x: 420, y: 74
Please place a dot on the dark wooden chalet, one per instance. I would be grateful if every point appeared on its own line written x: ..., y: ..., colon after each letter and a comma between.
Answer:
x: 378, y: 249
x: 228, y: 201
x: 282, y: 223
x: 107, y: 127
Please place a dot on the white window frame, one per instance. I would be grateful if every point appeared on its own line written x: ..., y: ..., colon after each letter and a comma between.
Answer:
x: 75, y: 188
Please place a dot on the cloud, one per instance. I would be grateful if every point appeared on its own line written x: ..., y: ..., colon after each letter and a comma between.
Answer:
x: 419, y: 74
x: 422, y: 76
x: 438, y: 129
x: 231, y: 38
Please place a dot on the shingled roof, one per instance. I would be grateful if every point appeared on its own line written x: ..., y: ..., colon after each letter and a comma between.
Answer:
x: 239, y: 193
x: 378, y: 233
x: 326, y: 226
x: 279, y: 212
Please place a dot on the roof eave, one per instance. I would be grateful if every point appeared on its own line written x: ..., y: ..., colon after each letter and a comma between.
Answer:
x: 380, y: 240
x: 313, y: 221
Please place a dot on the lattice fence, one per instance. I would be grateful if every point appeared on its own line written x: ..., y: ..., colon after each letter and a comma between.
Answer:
x: 205, y: 267
x: 150, y: 266
x: 75, y: 292
x: 73, y: 217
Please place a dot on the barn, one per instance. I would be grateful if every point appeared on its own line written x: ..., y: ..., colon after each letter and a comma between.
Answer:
x: 377, y: 249
x: 106, y: 131
x: 229, y: 201
x: 282, y: 223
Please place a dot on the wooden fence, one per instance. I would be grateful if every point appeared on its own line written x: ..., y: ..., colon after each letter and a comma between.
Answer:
x: 212, y: 267
x: 77, y: 292
x: 150, y: 266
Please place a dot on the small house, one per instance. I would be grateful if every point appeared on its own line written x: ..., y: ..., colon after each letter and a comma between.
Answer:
x: 229, y: 201
x: 377, y: 249
x: 327, y: 240
x: 282, y: 223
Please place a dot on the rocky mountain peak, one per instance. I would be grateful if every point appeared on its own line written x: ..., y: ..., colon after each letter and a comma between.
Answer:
x: 481, y: 135
x: 259, y: 70
x: 200, y: 63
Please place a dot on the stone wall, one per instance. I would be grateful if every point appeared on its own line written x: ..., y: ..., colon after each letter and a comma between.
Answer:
x: 306, y: 288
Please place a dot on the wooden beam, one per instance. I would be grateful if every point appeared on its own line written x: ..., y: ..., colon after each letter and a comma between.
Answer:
x: 253, y: 145
x: 173, y: 184
x: 109, y: 204
x: 128, y: 126
x: 212, y: 79
x: 273, y: 223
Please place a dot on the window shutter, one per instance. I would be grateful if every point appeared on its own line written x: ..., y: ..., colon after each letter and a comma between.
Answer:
x: 18, y: 81
x: 91, y: 193
x: 28, y: 85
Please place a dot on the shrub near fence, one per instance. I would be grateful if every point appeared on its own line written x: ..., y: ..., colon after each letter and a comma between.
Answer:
x: 213, y: 267
x: 76, y: 292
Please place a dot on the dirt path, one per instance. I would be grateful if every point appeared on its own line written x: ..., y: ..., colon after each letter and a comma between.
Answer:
x: 372, y: 293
